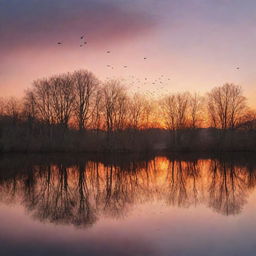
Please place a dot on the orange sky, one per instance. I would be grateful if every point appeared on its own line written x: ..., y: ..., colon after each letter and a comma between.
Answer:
x: 193, y: 45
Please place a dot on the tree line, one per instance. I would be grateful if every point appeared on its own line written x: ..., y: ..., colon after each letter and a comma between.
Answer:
x: 78, y: 101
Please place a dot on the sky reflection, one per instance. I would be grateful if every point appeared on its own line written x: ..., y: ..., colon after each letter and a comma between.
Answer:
x: 157, y: 206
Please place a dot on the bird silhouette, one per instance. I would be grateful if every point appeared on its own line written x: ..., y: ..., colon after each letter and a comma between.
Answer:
x: 108, y: 51
x: 59, y: 43
x: 85, y: 42
x: 145, y: 58
x: 82, y: 37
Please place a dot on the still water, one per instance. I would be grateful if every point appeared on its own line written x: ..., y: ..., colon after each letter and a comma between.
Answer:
x: 183, y: 205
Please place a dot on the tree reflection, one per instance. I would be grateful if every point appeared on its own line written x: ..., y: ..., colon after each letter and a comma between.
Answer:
x: 183, y: 179
x: 228, y: 188
x: 81, y: 193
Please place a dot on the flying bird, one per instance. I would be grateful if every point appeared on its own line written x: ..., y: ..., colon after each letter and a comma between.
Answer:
x: 108, y: 51
x: 82, y: 37
x: 145, y: 58
x: 59, y: 43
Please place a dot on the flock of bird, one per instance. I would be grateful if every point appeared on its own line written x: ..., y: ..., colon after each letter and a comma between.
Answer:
x: 83, y: 42
x: 159, y: 82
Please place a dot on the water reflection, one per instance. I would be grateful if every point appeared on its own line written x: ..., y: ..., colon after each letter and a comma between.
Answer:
x: 80, y: 191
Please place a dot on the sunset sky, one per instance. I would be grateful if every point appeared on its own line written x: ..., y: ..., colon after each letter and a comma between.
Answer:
x: 189, y: 44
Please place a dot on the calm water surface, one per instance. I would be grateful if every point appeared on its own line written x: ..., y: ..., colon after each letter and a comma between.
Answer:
x: 161, y: 205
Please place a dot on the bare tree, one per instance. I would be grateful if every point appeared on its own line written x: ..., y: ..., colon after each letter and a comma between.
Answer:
x: 85, y: 89
x: 2, y: 106
x: 182, y: 100
x: 115, y: 106
x: 175, y: 109
x: 195, y: 110
x: 248, y: 120
x: 96, y: 119
x: 53, y: 99
x: 62, y: 98
x: 226, y: 105
x: 30, y: 110
x: 169, y: 111
x: 12, y: 108
x: 43, y: 98
x: 149, y: 115
x: 136, y: 111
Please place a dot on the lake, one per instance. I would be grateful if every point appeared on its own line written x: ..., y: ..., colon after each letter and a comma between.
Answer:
x: 178, y: 205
